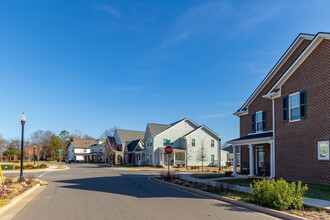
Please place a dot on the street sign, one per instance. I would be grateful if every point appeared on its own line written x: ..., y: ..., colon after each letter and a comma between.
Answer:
x: 59, y: 149
x: 168, y: 150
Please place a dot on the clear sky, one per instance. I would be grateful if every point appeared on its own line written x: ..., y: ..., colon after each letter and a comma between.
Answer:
x: 92, y: 65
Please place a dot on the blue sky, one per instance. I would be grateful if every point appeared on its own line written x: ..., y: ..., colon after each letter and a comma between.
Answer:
x: 92, y: 65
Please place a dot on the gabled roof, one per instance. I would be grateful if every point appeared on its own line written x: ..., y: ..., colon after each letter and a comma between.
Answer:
x: 157, y: 128
x: 132, y: 145
x: 82, y: 143
x: 129, y: 135
x: 274, y: 70
x: 203, y: 126
x: 310, y: 48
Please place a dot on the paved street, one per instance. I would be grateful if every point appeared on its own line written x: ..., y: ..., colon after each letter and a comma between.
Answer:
x: 90, y: 192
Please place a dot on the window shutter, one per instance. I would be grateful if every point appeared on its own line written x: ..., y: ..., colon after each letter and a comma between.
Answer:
x: 253, y: 124
x: 264, y: 120
x: 285, y: 108
x: 303, y: 104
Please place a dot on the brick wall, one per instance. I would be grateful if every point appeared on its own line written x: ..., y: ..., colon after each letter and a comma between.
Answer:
x: 296, y: 142
x: 260, y: 103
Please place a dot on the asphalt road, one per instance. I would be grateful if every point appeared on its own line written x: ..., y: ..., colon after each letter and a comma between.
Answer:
x: 89, y: 192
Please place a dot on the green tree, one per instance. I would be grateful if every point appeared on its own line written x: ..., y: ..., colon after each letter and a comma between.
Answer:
x: 11, y: 149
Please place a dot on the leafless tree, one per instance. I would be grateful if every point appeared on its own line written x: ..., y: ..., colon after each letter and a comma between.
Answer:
x: 202, y: 154
x: 109, y: 132
x: 42, y: 139
x: 3, y: 143
x: 86, y: 136
x: 77, y: 134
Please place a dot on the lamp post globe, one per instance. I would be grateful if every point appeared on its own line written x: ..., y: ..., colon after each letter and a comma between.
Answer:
x: 21, y: 177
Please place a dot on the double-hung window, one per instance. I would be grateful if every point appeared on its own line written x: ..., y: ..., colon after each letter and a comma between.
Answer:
x: 323, y: 150
x: 193, y: 142
x: 259, y: 121
x: 294, y: 106
x: 294, y: 109
x: 212, y: 158
x: 212, y: 143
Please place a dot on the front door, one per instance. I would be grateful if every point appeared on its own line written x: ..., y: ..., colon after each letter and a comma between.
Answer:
x: 261, y: 168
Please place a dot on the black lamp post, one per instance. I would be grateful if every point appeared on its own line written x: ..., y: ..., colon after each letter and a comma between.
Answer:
x: 23, y: 118
x: 34, y: 154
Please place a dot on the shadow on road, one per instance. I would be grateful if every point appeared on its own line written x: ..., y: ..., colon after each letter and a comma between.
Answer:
x: 130, y: 185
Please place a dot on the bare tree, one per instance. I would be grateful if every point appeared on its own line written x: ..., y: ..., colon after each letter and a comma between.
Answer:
x: 202, y: 154
x: 77, y: 134
x: 188, y: 153
x: 43, y: 140
x: 3, y: 143
x: 109, y: 132
x: 86, y: 136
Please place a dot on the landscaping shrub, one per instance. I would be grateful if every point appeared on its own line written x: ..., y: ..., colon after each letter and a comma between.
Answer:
x: 17, y: 167
x: 42, y: 166
x: 29, y: 166
x: 228, y: 173
x: 278, y: 194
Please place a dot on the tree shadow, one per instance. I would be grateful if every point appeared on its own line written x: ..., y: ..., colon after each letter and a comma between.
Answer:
x: 126, y: 184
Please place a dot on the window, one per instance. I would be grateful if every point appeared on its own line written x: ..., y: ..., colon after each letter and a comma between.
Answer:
x: 323, y: 150
x: 294, y: 109
x: 193, y: 142
x: 212, y: 158
x: 259, y: 121
x: 212, y: 143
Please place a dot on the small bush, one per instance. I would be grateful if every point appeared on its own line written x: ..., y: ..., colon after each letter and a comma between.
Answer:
x: 17, y: 167
x: 29, y: 166
x: 42, y: 166
x: 228, y: 173
x: 278, y: 194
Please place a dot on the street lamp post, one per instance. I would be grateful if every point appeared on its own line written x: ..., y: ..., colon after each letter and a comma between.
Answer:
x: 34, y: 154
x: 23, y: 118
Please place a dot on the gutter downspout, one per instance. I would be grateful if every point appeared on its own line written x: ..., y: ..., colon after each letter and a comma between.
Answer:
x: 273, y: 106
x: 219, y: 154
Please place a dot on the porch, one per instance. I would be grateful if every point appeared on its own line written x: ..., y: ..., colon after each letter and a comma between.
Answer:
x: 177, y: 157
x: 257, y: 155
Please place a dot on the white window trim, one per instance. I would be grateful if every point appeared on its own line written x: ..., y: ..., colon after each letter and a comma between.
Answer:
x: 257, y: 123
x: 289, y: 107
x: 318, y: 150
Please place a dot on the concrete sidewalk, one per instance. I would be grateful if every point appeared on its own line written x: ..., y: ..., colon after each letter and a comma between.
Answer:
x: 50, y: 168
x: 317, y: 203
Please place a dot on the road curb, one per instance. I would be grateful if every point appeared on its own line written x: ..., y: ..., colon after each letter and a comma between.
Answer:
x: 233, y: 201
x: 18, y: 198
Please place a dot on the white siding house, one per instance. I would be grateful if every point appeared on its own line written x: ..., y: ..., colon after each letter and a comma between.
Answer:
x: 78, y: 148
x: 181, y: 135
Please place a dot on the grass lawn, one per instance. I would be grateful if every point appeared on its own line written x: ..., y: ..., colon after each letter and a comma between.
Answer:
x: 208, y: 176
x: 317, y: 191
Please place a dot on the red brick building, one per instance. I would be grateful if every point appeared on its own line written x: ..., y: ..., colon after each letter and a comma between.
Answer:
x: 285, y: 123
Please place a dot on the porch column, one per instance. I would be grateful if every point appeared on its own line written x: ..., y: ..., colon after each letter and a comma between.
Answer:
x: 234, y: 161
x: 251, y: 160
x: 173, y: 158
x: 272, y: 164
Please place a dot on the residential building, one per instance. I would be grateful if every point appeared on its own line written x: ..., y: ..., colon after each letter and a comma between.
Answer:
x: 193, y: 145
x: 78, y: 148
x: 285, y: 123
x: 230, y: 155
x: 97, y: 152
x: 117, y: 150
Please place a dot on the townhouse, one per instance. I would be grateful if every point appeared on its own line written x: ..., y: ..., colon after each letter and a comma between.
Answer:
x: 285, y: 123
